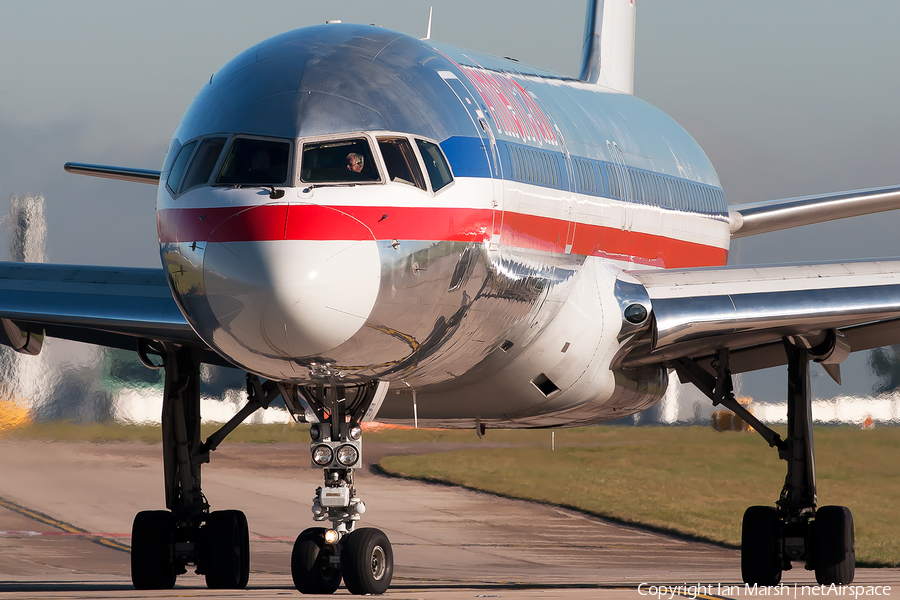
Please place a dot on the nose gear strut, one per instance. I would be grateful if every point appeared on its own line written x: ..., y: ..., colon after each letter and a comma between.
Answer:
x: 794, y: 529
x: 361, y: 556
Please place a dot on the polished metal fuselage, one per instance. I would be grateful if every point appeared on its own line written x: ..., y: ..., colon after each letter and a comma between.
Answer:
x: 461, y: 298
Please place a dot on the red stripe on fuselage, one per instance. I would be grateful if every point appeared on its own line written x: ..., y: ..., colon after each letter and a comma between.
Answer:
x: 313, y: 222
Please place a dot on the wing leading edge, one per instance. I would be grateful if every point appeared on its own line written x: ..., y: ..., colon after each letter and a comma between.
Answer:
x: 109, y: 306
x: 773, y: 215
x: 835, y: 308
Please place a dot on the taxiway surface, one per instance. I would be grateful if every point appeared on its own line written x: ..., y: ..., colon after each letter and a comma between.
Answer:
x: 66, y: 511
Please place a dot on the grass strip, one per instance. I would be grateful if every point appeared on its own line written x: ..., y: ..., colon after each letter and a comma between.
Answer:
x: 690, y: 480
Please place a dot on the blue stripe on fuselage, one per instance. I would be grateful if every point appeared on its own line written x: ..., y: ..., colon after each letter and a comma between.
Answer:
x: 469, y: 158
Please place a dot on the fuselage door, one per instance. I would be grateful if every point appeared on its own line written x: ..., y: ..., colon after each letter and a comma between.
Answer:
x: 571, y: 199
x: 488, y: 143
x: 626, y: 190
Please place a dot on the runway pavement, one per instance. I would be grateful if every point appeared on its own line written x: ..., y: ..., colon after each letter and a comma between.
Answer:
x: 66, y: 512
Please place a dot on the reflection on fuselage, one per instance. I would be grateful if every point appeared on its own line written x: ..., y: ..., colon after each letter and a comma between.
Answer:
x: 425, y: 236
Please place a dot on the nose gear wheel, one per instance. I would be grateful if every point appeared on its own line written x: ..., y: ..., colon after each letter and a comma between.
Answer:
x: 362, y: 557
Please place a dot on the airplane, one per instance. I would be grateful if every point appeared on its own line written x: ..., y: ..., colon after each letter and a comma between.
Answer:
x: 376, y: 226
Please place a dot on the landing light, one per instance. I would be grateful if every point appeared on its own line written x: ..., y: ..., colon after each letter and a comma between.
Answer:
x: 331, y: 536
x: 347, y: 455
x: 322, y: 455
x: 635, y: 313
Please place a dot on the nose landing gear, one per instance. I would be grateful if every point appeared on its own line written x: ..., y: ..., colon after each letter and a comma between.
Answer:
x: 794, y: 529
x: 363, y: 558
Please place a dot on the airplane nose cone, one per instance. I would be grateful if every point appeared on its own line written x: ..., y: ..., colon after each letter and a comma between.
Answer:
x: 278, y: 300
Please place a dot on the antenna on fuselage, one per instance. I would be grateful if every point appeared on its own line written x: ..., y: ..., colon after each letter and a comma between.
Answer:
x: 428, y: 31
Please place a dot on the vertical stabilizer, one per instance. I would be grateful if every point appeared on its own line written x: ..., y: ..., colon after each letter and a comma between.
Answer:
x: 608, y: 53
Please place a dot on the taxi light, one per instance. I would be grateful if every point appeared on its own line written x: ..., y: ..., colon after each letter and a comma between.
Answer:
x: 347, y: 455
x: 315, y: 431
x: 331, y: 536
x: 322, y: 455
x: 636, y: 314
x: 355, y: 432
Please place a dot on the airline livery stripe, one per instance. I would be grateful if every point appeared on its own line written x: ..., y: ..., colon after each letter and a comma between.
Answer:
x: 313, y: 222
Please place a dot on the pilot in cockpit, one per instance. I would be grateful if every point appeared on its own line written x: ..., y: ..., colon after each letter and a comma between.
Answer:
x: 355, y: 162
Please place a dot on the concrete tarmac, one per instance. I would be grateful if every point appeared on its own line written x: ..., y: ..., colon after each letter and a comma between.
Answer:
x: 66, y: 511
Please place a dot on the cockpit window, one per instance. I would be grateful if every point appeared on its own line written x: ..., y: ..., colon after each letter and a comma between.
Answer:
x: 259, y: 162
x: 401, y: 162
x: 342, y: 161
x: 435, y: 164
x: 178, y: 166
x: 204, y: 161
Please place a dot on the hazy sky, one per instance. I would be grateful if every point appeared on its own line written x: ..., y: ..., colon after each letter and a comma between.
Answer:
x: 787, y: 99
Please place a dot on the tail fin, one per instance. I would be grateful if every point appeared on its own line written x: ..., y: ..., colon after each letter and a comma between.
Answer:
x: 608, y: 53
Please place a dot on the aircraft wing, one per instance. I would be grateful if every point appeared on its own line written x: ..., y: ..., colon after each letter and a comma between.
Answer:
x: 833, y: 308
x: 772, y: 215
x: 109, y: 306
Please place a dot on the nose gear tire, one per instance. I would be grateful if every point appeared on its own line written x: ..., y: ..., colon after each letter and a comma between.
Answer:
x: 367, y: 561
x: 310, y: 567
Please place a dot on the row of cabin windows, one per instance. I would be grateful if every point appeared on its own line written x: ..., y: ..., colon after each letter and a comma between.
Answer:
x: 534, y: 166
x: 597, y: 178
x: 259, y: 162
x: 655, y: 189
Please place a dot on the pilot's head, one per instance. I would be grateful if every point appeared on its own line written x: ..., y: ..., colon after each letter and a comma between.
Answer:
x: 355, y: 162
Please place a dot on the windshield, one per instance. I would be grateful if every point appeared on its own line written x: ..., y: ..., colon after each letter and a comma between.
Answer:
x: 342, y: 161
x: 260, y: 162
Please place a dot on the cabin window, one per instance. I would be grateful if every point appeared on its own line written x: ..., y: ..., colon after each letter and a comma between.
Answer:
x: 204, y: 162
x: 435, y: 164
x: 400, y: 160
x: 340, y: 161
x: 255, y: 162
x: 600, y: 180
x: 635, y: 187
x: 615, y: 186
x: 178, y: 166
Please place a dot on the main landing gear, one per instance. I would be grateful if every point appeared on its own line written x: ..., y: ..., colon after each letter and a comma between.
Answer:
x: 164, y: 542
x: 794, y: 529
x: 362, y: 557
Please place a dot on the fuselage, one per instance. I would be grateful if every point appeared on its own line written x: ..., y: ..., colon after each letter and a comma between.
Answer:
x: 450, y: 222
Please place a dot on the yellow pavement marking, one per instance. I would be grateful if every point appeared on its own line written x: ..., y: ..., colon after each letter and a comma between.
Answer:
x: 67, y: 527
